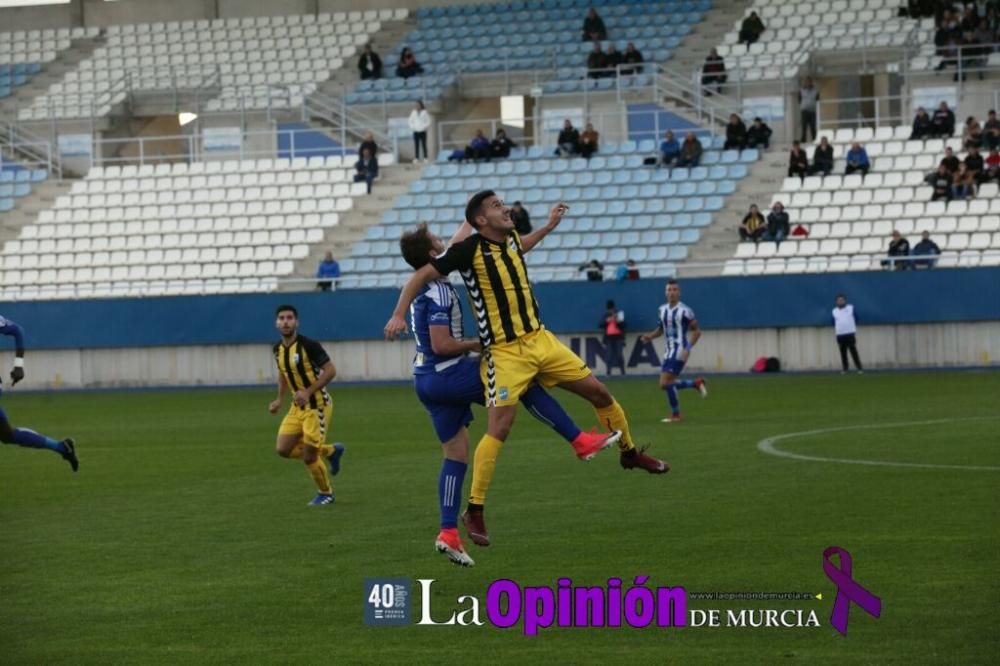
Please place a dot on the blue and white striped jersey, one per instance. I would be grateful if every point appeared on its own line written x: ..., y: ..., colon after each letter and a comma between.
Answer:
x: 438, y: 305
x: 676, y: 320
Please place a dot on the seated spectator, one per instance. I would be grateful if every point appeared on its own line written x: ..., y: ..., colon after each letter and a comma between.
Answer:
x: 972, y: 135
x: 328, y: 269
x: 589, y: 141
x: 922, y: 128
x: 940, y: 182
x: 369, y: 144
x: 973, y: 54
x: 946, y: 39
x: 369, y: 64
x: 949, y: 160
x: 713, y: 72
x: 568, y: 143
x: 690, y: 151
x: 822, y: 158
x: 593, y: 27
x: 926, y: 247
x: 736, y: 134
x: 612, y: 59
x: 798, y: 161
x: 670, y: 150
x: 634, y: 58
x: 366, y: 169
x: 991, y: 131
x: 963, y: 184
x: 759, y: 134
x: 751, y: 29
x: 595, y: 62
x: 631, y: 270
x: 408, y: 65
x: 595, y: 270
x: 522, y: 221
x: 501, y: 144
x: 992, y: 172
x: 478, y: 148
x: 754, y: 226
x: 778, y: 226
x: 975, y: 164
x: 898, y: 247
x: 857, y: 160
x: 943, y: 121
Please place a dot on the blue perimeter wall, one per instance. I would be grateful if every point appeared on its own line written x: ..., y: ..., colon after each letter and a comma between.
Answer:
x: 723, y: 302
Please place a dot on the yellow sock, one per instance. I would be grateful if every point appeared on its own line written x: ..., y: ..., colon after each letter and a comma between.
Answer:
x: 613, y: 417
x: 317, y: 471
x: 483, y: 465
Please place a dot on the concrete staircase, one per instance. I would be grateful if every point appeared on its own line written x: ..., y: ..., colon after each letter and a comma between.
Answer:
x: 43, y: 196
x: 385, y: 41
x: 52, y: 72
x: 707, y: 35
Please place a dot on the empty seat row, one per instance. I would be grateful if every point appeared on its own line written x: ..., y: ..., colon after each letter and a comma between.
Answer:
x: 823, y: 264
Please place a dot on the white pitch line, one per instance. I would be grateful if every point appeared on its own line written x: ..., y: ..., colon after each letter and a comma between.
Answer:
x: 767, y: 446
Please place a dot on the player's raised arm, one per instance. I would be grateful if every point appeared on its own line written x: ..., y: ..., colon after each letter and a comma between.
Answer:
x: 464, y: 231
x: 10, y: 328
x: 282, y: 392
x: 397, y: 323
x: 555, y: 217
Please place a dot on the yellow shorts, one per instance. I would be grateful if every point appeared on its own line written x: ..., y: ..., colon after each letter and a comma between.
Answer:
x: 309, y: 424
x: 509, y: 369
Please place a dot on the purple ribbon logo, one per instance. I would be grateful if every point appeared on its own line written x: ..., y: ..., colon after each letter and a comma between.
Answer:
x: 848, y: 590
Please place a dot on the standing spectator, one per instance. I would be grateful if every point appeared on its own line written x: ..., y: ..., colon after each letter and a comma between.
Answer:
x: 369, y: 144
x: 501, y: 144
x: 595, y: 270
x: 926, y: 247
x: 991, y: 131
x: 595, y: 62
x: 478, y: 148
x: 822, y: 158
x: 898, y: 247
x: 419, y: 121
x: 613, y: 326
x: 798, y: 161
x: 328, y: 270
x: 922, y: 128
x: 846, y: 328
x: 963, y: 184
x: 713, y: 72
x: 522, y: 221
x: 753, y: 226
x: 949, y: 161
x: 736, y: 133
x: 975, y: 164
x: 992, y: 166
x: 751, y: 29
x: 631, y: 270
x: 670, y: 150
x: 778, y: 226
x: 857, y: 160
x: 408, y: 65
x: 634, y: 58
x: 369, y: 64
x: 759, y: 134
x: 366, y: 169
x: 972, y: 135
x: 612, y: 59
x: 589, y: 141
x: 808, y: 99
x: 593, y: 27
x: 940, y: 182
x: 690, y: 151
x: 943, y: 121
x: 568, y: 143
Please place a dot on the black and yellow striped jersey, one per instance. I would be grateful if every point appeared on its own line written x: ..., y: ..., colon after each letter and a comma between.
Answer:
x: 499, y: 291
x: 301, y: 363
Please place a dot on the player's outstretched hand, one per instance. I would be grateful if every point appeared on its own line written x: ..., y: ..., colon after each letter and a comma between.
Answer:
x: 644, y: 339
x: 274, y: 406
x: 16, y: 375
x: 395, y: 327
x: 556, y: 214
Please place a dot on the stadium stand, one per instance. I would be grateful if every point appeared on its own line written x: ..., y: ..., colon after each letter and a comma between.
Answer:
x: 23, y: 54
x: 16, y: 182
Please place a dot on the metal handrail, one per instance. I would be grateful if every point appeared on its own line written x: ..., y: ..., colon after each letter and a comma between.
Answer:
x: 346, y: 122
x: 20, y: 144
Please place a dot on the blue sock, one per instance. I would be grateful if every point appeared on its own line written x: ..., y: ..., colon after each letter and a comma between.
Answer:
x: 684, y: 383
x: 450, y: 491
x: 675, y: 405
x: 32, y: 440
x: 547, y: 409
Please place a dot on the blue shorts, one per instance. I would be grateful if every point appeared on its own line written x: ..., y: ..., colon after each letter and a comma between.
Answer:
x: 448, y: 396
x: 3, y: 416
x: 674, y: 366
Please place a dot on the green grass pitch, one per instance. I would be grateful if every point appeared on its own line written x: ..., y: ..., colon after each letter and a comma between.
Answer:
x: 184, y: 539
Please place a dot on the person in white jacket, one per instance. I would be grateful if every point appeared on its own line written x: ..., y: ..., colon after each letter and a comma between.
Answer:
x: 420, y: 120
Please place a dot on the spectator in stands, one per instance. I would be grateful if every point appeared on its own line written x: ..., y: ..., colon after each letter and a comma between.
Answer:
x: 736, y: 133
x: 754, y: 226
x: 969, y: 18
x: 759, y: 134
x: 369, y: 144
x: 501, y: 144
x: 593, y: 27
x: 589, y: 141
x: 822, y: 158
x: 963, y: 184
x: 522, y: 221
x: 612, y: 59
x: 408, y: 65
x: 898, y: 247
x: 922, y: 128
x: 595, y: 62
x: 798, y: 161
x: 632, y: 57
x: 992, y: 172
x: 991, y: 131
x: 631, y: 270
x: 713, y: 72
x: 943, y: 121
x: 328, y: 270
x: 369, y: 64
x: 940, y: 182
x: 419, y: 121
x: 926, y: 247
x: 808, y: 99
x: 670, y: 150
x: 366, y: 169
x: 751, y: 29
x: 478, y: 148
x: 568, y: 143
x: 972, y: 134
x: 857, y: 160
x: 690, y: 151
x: 595, y: 270
x: 949, y: 160
x: 778, y: 226
x: 975, y: 164
x: 946, y: 39
x: 973, y: 55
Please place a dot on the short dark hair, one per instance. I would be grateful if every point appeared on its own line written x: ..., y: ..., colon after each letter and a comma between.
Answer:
x: 609, y: 304
x: 671, y: 281
x: 475, y: 204
x: 286, y: 308
x: 416, y: 246
x: 841, y: 295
